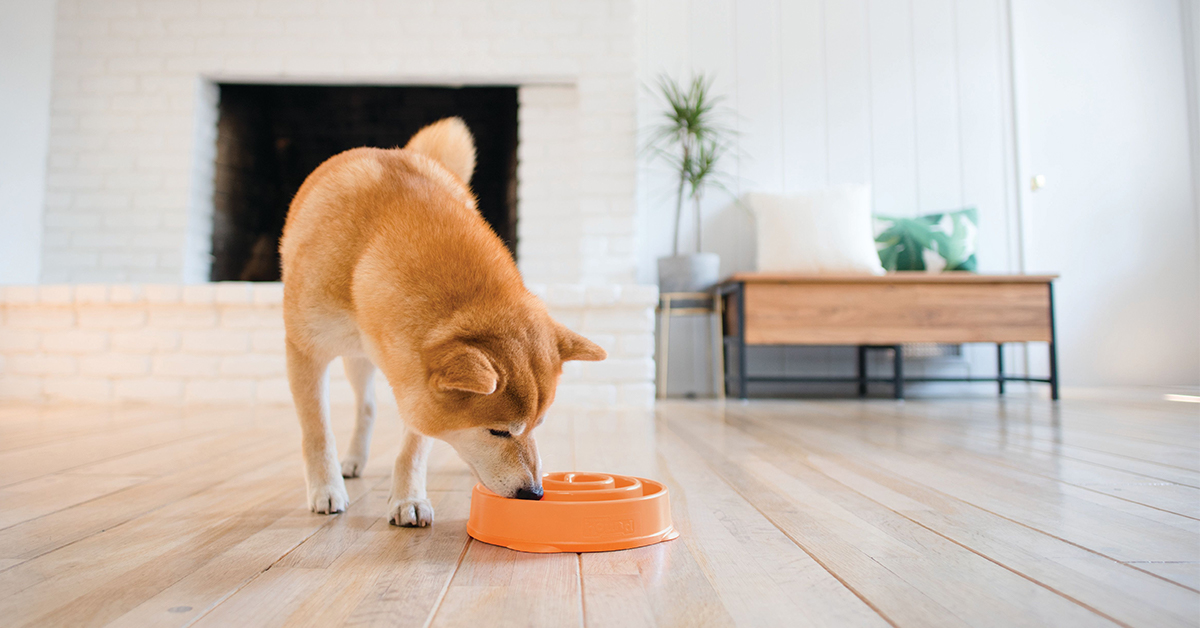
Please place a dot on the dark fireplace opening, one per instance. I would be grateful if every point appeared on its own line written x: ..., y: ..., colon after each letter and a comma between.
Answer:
x: 270, y: 137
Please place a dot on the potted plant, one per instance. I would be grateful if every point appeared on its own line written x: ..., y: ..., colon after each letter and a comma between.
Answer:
x: 691, y: 141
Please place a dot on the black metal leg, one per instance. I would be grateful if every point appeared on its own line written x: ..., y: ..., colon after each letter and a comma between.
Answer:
x: 723, y: 360
x: 725, y: 364
x: 1053, y: 372
x: 898, y: 371
x: 862, y: 370
x: 741, y: 339
x: 1000, y: 367
x: 1053, y: 348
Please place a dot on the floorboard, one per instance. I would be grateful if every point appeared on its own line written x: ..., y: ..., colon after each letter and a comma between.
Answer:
x: 1114, y: 590
x: 956, y: 512
x: 1110, y: 529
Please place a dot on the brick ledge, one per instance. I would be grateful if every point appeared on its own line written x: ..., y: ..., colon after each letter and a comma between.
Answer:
x: 271, y: 293
x: 223, y: 342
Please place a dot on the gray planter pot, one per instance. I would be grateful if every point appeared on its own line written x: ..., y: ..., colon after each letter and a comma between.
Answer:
x: 688, y: 273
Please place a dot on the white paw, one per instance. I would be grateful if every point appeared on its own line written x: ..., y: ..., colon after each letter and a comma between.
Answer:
x: 410, y: 513
x: 328, y: 498
x: 352, y: 467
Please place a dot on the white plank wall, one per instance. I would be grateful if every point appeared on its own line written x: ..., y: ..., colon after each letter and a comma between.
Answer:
x: 804, y: 135
x: 910, y: 96
x: 847, y: 93
x: 893, y: 111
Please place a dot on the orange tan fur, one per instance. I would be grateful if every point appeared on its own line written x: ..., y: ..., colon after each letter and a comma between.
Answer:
x: 387, y: 263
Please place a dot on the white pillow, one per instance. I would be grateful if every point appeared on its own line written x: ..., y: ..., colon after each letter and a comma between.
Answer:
x: 823, y: 231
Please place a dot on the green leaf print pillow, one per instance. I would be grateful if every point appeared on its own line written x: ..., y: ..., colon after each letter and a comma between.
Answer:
x: 933, y: 242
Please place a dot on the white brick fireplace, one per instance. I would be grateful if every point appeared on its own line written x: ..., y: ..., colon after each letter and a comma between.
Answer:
x: 129, y: 194
x: 132, y: 138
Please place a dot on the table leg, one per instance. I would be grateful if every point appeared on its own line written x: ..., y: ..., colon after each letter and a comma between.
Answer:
x: 1053, y: 372
x: 898, y: 371
x: 664, y: 345
x: 1000, y: 367
x: 862, y: 370
x: 718, y: 346
x: 1053, y: 349
x: 741, y: 340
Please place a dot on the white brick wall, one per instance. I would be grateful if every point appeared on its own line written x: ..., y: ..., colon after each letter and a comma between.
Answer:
x: 133, y: 118
x: 224, y: 343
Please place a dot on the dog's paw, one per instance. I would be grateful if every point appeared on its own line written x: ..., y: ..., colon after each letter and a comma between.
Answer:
x: 352, y: 467
x: 328, y: 499
x: 410, y: 513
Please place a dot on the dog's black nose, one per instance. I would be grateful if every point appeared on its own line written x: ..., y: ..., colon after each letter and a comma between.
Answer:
x: 534, y: 493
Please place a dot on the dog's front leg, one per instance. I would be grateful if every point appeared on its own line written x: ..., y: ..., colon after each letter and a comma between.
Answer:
x: 408, y: 506
x: 309, y: 381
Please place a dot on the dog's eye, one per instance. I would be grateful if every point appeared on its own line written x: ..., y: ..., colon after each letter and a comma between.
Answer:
x: 500, y: 433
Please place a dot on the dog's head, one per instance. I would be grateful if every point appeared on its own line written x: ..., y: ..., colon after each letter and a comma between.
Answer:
x: 486, y: 394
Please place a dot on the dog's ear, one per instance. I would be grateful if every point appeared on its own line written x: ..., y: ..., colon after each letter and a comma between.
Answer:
x: 572, y: 346
x: 457, y: 365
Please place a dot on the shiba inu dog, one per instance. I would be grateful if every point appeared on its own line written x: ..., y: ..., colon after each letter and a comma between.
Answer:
x: 388, y: 264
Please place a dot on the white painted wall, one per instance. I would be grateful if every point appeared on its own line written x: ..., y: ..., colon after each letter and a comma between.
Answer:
x: 26, y: 51
x: 910, y: 97
x: 1191, y: 45
x: 1103, y: 115
x: 915, y: 98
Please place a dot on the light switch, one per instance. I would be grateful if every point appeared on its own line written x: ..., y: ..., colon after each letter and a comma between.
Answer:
x: 1038, y: 182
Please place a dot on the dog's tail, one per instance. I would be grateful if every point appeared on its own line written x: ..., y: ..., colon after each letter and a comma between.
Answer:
x: 448, y: 142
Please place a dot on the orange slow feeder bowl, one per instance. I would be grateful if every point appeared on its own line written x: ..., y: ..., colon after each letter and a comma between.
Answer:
x: 578, y: 512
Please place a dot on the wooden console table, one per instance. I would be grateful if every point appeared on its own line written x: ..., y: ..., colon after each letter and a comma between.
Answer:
x: 885, y: 312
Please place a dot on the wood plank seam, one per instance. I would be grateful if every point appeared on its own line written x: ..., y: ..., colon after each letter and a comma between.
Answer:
x: 899, y: 513
x: 131, y: 517
x: 798, y: 544
x: 980, y: 554
x: 961, y: 419
x: 127, y: 488
x: 112, y: 457
x: 582, y: 594
x: 437, y: 605
x: 233, y: 591
x: 1046, y: 586
x: 1025, y: 469
x: 1069, y: 542
x: 1099, y: 492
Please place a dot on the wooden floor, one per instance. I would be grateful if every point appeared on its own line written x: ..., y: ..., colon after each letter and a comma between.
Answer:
x: 822, y: 513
